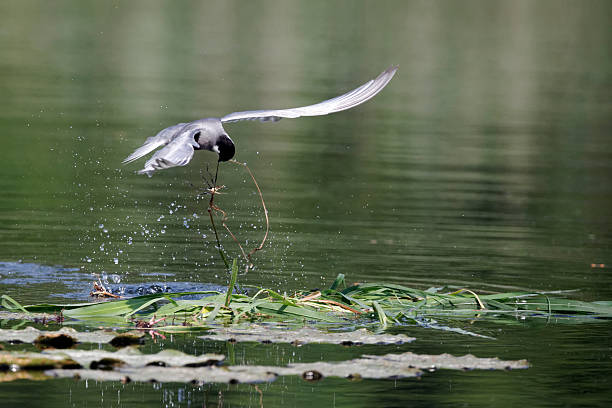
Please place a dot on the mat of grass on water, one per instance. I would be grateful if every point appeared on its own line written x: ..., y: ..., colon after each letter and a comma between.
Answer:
x: 381, y: 303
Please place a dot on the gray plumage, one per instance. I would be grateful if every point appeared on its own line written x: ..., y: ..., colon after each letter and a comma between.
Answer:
x: 182, y: 140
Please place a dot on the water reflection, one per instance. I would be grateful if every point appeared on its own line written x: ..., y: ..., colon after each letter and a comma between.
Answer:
x: 470, y: 167
x: 484, y: 164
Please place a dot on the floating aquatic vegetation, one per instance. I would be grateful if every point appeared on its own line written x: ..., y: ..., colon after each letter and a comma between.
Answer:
x: 8, y: 376
x: 171, y: 374
x: 132, y: 357
x: 20, y: 365
x: 42, y: 318
x: 102, y: 360
x: 263, y: 334
x: 67, y: 337
x: 15, y: 361
x: 446, y: 361
x: 403, y: 365
x: 382, y: 302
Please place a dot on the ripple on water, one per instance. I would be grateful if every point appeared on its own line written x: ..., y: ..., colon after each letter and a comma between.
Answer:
x: 69, y: 282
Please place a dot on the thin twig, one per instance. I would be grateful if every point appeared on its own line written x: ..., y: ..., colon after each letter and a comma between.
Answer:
x: 333, y: 302
x: 213, y: 189
x: 263, y: 204
x: 211, y: 206
x: 100, y: 291
x: 214, y: 208
x: 212, y: 221
x: 311, y: 296
x: 223, y: 222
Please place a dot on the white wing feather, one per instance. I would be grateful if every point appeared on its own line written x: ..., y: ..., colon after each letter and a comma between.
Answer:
x: 161, y: 139
x: 346, y: 101
x: 177, y: 153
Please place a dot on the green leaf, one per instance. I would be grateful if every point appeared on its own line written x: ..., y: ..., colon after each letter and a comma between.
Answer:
x: 337, y: 282
x: 382, y: 317
x: 11, y: 304
x: 123, y: 307
x: 213, y: 315
x: 233, y: 278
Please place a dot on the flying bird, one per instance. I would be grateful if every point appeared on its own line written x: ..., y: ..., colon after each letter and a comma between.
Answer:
x: 179, y: 142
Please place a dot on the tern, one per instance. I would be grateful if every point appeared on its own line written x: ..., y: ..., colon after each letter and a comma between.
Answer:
x: 179, y: 142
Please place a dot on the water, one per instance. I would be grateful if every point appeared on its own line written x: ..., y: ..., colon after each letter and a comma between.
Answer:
x: 485, y: 164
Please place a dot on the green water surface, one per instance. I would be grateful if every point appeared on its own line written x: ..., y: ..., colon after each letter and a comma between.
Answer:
x: 486, y: 164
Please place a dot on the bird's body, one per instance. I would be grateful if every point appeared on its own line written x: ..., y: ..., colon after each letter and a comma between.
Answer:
x: 181, y: 140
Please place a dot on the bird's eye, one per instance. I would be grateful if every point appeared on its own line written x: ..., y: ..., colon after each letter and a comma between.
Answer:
x: 196, y: 135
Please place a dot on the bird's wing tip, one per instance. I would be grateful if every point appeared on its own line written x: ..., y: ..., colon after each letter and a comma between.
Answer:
x: 392, y: 69
x: 149, y: 173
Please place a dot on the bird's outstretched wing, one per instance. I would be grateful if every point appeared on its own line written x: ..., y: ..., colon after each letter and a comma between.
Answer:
x: 339, y: 103
x: 176, y: 153
x: 161, y: 139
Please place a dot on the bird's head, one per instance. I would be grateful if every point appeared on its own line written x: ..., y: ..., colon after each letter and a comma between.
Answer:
x: 209, y: 134
x: 224, y: 147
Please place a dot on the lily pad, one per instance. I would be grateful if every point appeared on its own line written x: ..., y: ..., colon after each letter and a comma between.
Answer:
x: 9, y: 376
x: 210, y: 374
x: 132, y: 357
x: 403, y: 365
x: 13, y: 362
x: 447, y: 361
x: 257, y: 333
x: 397, y: 366
x: 67, y: 337
x: 352, y: 369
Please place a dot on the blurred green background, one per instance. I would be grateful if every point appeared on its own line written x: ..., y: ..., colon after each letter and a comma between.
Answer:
x: 486, y: 163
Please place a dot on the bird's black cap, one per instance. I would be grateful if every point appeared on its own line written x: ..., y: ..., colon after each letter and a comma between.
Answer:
x: 226, y: 148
